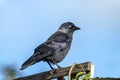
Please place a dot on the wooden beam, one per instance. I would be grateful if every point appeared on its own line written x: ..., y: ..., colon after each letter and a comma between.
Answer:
x: 57, y: 73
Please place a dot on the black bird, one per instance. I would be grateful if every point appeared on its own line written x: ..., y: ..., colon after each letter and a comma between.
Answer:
x: 55, y: 48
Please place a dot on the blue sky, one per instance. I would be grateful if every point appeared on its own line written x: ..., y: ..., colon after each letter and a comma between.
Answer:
x: 24, y: 24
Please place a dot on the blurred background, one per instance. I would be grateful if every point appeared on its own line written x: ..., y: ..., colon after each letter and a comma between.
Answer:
x: 24, y: 24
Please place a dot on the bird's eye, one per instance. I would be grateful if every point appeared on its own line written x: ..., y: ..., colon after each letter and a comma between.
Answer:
x: 70, y: 26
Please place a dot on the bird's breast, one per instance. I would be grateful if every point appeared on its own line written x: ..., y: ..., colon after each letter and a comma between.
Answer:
x: 61, y: 51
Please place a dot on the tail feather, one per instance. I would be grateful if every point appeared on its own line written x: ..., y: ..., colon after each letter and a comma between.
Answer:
x: 33, y: 59
x: 29, y: 62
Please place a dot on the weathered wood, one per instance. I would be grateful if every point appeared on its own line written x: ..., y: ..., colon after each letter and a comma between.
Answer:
x: 57, y: 73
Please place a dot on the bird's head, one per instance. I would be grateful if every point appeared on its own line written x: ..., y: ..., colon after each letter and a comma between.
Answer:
x: 68, y: 27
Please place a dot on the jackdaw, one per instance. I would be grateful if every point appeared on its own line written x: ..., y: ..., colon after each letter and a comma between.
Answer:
x: 55, y: 48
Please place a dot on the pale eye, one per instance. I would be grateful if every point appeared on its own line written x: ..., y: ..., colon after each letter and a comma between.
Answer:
x: 70, y: 26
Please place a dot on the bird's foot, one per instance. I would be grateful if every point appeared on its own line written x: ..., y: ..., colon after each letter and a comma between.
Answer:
x: 52, y: 72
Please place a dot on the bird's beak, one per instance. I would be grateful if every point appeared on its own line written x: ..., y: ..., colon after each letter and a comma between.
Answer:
x: 76, y: 28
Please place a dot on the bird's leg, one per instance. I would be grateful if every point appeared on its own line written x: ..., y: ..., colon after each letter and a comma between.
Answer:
x: 56, y: 64
x: 53, y: 71
x: 50, y: 65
